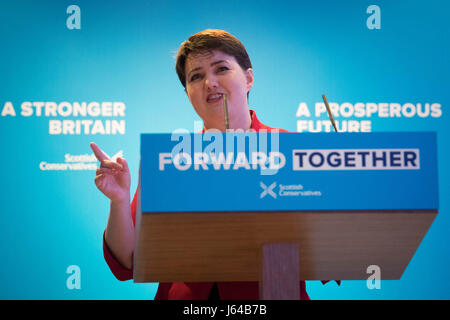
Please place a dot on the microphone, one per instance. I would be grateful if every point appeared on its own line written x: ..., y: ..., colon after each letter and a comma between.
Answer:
x: 329, y: 112
x: 225, y: 107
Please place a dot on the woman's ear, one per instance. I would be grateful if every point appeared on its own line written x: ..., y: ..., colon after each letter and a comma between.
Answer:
x: 249, y: 77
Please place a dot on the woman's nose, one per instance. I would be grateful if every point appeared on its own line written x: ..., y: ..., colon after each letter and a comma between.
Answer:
x: 210, y: 82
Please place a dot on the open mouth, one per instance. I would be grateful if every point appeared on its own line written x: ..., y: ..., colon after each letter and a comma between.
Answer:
x: 212, y: 98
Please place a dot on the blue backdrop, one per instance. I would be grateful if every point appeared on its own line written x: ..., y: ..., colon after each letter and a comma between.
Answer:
x: 393, y: 57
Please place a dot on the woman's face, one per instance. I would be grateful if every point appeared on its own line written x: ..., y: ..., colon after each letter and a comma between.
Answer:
x: 209, y: 76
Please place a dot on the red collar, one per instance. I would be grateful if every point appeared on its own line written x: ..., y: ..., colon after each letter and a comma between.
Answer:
x: 256, y: 124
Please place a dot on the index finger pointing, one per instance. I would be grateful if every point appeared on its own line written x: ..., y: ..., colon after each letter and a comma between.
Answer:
x: 99, y: 154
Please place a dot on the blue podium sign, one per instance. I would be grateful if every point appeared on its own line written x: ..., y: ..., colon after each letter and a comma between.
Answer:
x: 288, y: 171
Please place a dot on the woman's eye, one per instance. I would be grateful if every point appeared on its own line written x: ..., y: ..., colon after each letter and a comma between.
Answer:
x: 222, y: 68
x: 195, y: 77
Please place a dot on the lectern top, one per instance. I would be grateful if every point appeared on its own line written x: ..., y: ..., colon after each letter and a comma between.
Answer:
x: 288, y: 171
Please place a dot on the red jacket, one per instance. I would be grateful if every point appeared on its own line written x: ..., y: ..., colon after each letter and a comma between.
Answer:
x: 199, y: 290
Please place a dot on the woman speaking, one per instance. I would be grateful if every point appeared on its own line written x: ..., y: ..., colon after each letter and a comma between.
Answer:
x: 212, y: 66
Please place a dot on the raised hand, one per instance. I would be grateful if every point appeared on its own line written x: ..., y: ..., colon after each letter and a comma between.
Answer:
x: 112, y: 178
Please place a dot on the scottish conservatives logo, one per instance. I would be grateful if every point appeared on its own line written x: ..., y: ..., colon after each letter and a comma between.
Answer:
x: 80, y: 162
x: 268, y: 190
x: 286, y: 190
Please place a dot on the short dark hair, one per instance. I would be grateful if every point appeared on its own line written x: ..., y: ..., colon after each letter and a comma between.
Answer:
x: 206, y: 41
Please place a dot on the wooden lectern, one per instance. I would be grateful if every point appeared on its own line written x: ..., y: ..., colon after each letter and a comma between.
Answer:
x: 277, y: 248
